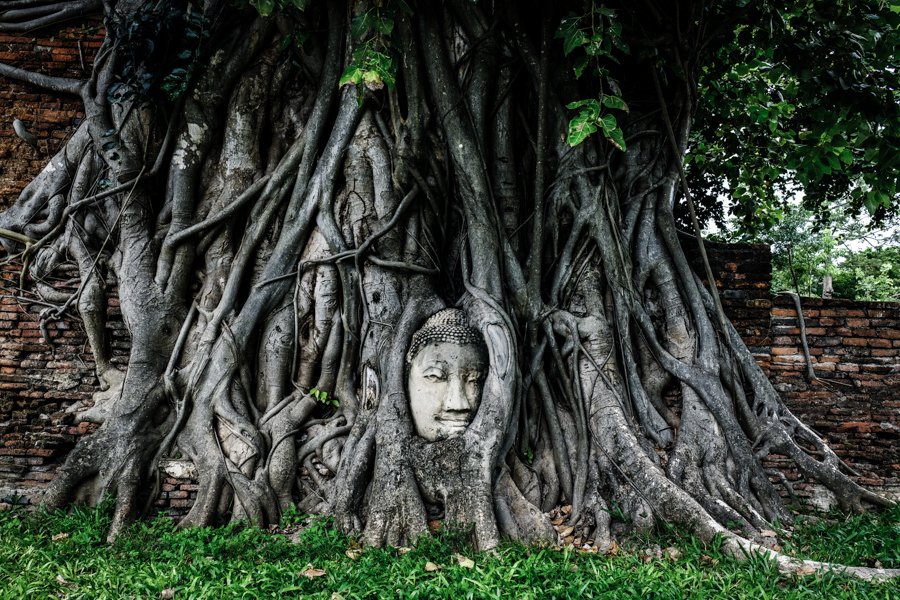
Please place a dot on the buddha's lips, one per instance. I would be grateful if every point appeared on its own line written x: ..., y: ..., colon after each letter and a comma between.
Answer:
x: 453, y: 421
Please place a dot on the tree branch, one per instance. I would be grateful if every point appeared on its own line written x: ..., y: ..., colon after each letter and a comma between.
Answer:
x: 28, y: 15
x: 60, y: 85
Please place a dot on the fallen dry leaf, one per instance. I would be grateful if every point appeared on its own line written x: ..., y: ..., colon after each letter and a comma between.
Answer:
x: 431, y: 567
x: 613, y: 548
x: 63, y: 581
x: 566, y: 531
x: 167, y: 594
x: 768, y: 533
x: 805, y: 570
x: 464, y: 561
x: 354, y: 553
x: 59, y: 536
x: 403, y: 550
x: 673, y: 553
x: 312, y: 572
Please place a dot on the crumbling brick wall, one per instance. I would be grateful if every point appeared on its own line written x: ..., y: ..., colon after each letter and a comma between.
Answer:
x: 50, y: 117
x: 854, y: 347
x: 41, y: 375
x: 854, y: 401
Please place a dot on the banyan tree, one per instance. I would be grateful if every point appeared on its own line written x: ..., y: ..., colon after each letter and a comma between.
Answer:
x: 400, y: 261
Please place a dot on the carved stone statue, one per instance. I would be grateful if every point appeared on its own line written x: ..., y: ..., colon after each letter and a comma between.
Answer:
x: 446, y: 366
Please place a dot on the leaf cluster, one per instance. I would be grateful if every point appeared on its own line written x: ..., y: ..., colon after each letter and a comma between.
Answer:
x: 161, y: 44
x: 801, y: 98
x: 593, y: 39
x: 805, y: 250
x: 373, y: 64
x: 268, y: 7
x: 322, y: 397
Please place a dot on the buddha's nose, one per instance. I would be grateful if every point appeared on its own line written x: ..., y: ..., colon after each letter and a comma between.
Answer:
x: 456, y: 396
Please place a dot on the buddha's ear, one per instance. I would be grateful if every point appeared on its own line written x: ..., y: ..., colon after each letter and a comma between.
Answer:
x: 499, y: 348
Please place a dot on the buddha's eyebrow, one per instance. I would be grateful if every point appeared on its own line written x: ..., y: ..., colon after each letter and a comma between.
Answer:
x: 435, y: 364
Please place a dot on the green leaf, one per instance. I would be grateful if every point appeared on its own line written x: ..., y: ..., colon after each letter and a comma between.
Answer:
x: 617, y: 137
x: 580, y: 65
x: 608, y: 123
x: 575, y: 39
x: 264, y: 7
x: 360, y: 25
x: 614, y: 102
x: 352, y: 74
x: 384, y: 25
x: 579, y: 129
x: 590, y: 108
x: 846, y: 156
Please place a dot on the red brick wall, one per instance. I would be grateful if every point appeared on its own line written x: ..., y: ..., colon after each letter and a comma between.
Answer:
x: 743, y: 275
x: 855, y: 400
x: 51, y: 118
x: 38, y: 381
x: 855, y: 350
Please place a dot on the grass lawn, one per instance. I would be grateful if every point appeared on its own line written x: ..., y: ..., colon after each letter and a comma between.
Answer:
x: 64, y: 555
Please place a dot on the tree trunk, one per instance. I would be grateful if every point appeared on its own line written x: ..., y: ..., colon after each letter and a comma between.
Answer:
x: 284, y: 247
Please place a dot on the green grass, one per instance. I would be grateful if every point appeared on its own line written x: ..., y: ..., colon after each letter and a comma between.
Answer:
x: 230, y: 562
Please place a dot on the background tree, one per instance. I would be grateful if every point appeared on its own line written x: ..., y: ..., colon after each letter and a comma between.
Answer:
x: 284, y: 193
x: 861, y: 260
x: 800, y: 100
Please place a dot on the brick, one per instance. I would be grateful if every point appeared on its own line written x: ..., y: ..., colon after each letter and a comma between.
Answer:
x: 785, y: 350
x: 886, y: 353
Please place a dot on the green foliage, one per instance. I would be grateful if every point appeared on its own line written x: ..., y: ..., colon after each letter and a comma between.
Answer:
x: 804, y: 250
x: 373, y: 65
x: 322, y: 397
x: 268, y: 7
x: 870, y: 274
x: 231, y: 561
x: 593, y: 39
x: 161, y: 45
x: 800, y: 96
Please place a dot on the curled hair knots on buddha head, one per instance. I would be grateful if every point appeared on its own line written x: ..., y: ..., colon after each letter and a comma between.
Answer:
x: 448, y: 325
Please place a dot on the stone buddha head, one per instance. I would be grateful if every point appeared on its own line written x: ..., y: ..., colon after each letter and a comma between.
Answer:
x: 446, y: 367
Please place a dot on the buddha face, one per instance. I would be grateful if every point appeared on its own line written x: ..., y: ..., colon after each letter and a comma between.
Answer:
x: 444, y: 383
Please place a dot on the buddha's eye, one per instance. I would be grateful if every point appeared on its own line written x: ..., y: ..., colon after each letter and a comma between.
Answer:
x: 435, y: 375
